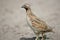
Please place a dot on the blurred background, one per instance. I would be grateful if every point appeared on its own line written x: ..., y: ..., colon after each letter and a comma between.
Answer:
x: 13, y: 24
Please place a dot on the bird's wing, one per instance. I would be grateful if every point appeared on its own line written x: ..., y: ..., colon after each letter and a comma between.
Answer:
x: 40, y: 24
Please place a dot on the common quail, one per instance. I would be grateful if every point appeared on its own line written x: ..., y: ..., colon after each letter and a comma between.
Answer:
x: 37, y: 25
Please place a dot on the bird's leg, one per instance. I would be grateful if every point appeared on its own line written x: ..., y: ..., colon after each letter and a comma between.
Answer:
x: 37, y: 37
x: 42, y: 37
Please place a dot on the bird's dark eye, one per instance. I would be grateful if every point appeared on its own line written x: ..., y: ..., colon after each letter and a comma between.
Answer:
x: 26, y: 8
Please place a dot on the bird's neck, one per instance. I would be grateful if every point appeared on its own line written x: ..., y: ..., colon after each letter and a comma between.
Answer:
x: 28, y: 11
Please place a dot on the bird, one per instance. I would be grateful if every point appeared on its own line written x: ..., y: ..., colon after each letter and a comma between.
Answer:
x: 35, y: 23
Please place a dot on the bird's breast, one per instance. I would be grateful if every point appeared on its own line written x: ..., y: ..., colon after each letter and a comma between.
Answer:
x: 30, y: 24
x: 28, y: 20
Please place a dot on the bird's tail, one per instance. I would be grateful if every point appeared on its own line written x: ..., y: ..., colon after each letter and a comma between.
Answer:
x: 52, y: 29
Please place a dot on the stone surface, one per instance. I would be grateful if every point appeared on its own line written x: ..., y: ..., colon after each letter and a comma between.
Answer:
x: 13, y: 24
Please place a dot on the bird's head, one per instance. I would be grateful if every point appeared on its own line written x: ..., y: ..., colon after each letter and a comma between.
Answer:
x: 26, y: 6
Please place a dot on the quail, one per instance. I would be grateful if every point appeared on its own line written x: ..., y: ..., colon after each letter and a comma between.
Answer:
x: 36, y: 24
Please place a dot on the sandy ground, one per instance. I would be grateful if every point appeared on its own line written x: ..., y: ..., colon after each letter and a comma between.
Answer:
x: 13, y: 24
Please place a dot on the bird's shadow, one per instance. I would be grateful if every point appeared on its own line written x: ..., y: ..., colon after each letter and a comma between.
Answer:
x: 33, y: 38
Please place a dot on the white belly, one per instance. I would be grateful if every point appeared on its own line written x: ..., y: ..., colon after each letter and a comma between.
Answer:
x: 30, y: 24
x: 28, y: 21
